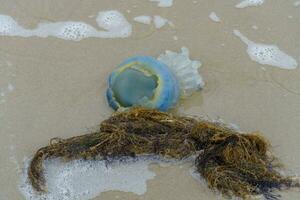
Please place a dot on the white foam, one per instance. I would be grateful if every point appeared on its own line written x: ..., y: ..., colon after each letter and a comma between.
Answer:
x: 297, y: 3
x: 197, y: 176
x: 159, y: 21
x: 229, y: 125
x: 267, y: 54
x: 83, y: 180
x: 114, y: 23
x: 213, y: 16
x: 247, y: 3
x: 185, y: 69
x: 144, y: 19
x: 65, y: 30
x: 8, y: 25
x: 10, y: 87
x: 6, y: 90
x: 164, y: 3
x: 7, y: 81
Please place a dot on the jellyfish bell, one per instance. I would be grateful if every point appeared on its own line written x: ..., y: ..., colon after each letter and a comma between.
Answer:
x: 154, y: 83
x: 142, y: 81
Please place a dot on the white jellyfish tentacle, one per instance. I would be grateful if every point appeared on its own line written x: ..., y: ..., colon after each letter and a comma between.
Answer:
x: 184, y: 69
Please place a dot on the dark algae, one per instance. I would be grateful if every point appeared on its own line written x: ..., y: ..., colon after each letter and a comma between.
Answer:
x: 231, y: 163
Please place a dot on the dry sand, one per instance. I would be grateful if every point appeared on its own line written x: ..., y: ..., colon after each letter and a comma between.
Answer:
x: 59, y: 84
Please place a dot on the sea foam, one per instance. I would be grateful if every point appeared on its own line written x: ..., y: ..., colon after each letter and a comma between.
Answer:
x: 157, y: 20
x: 267, y: 54
x: 164, y: 3
x: 113, y: 22
x: 83, y: 180
x: 247, y: 3
x: 297, y: 3
x: 144, y: 19
x: 214, y: 17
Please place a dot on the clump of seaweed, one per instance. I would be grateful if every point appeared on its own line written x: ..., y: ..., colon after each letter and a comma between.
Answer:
x: 232, y: 163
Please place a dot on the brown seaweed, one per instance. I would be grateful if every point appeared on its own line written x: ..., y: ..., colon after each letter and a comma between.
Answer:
x: 232, y: 163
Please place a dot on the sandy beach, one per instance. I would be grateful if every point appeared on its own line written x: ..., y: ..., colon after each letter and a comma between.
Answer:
x: 53, y: 87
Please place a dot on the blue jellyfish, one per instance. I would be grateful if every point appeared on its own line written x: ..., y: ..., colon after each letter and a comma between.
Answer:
x: 142, y: 81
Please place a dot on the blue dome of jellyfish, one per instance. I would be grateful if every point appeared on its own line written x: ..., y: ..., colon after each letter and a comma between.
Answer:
x: 142, y: 81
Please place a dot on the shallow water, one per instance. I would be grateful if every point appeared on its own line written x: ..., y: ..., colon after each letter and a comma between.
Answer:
x: 53, y: 87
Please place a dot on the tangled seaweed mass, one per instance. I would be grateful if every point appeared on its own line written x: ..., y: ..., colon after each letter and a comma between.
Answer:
x: 232, y: 163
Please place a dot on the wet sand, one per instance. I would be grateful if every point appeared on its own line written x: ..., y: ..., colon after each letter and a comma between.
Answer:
x: 59, y: 84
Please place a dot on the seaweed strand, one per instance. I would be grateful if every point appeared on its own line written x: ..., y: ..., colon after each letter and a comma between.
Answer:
x: 232, y: 163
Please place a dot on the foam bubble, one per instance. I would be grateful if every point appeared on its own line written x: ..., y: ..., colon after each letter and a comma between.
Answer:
x: 8, y: 25
x: 83, y: 180
x: 159, y: 21
x: 213, y: 16
x: 143, y: 19
x: 65, y: 30
x: 229, y: 125
x: 247, y: 3
x: 163, y: 3
x: 114, y: 23
x: 267, y: 54
x: 185, y: 69
x: 7, y: 81
x: 297, y: 3
x: 75, y: 31
x: 10, y: 87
